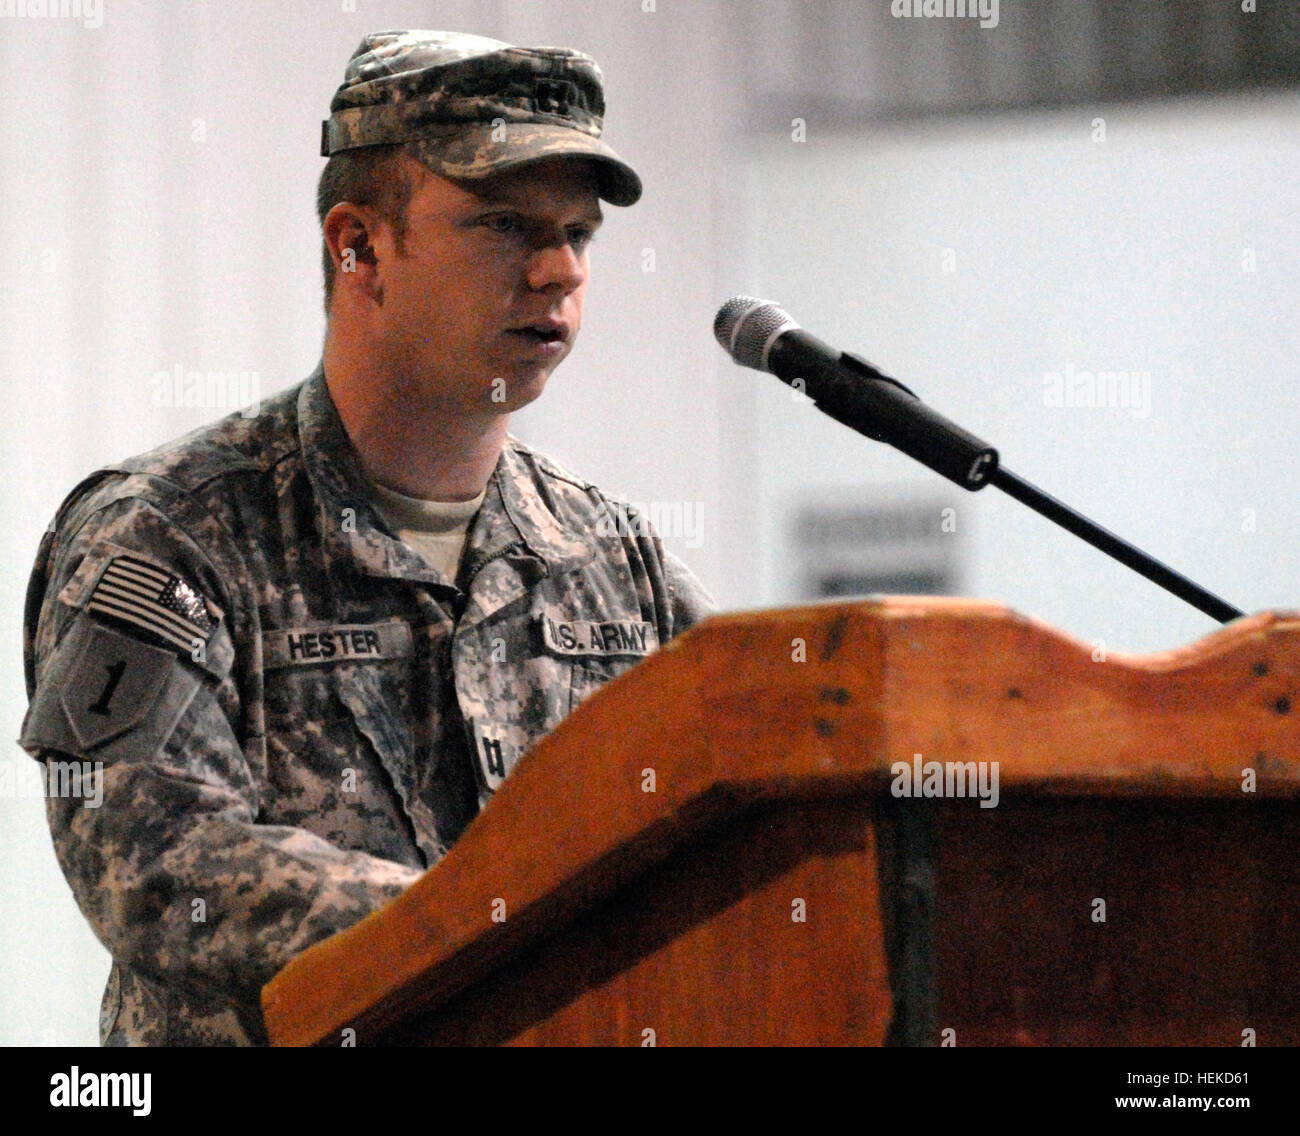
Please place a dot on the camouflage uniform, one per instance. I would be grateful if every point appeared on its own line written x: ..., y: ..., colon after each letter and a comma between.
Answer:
x: 295, y: 713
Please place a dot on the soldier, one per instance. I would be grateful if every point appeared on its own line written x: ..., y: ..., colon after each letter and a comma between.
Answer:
x: 302, y: 649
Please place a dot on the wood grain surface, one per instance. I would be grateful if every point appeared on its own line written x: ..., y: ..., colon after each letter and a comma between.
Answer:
x: 772, y: 738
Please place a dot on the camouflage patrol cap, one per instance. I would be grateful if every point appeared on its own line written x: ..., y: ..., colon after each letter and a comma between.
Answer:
x: 468, y: 106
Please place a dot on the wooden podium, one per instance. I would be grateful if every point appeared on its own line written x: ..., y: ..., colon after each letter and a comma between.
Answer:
x: 717, y: 849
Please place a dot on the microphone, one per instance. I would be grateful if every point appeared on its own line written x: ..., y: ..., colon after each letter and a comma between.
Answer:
x: 759, y: 334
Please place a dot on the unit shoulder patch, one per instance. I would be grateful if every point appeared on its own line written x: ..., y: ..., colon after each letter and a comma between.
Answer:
x: 108, y: 694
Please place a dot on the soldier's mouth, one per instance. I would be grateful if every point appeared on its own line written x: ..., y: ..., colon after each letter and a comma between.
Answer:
x: 543, y: 332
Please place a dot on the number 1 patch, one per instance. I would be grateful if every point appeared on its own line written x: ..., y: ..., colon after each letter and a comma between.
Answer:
x: 112, y: 684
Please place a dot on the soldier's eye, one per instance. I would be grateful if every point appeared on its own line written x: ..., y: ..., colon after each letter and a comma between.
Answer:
x: 504, y: 223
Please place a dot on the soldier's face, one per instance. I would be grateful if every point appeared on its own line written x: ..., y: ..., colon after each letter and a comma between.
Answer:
x: 487, y: 299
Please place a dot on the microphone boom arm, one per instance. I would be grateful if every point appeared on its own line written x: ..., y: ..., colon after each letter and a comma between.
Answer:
x: 759, y: 334
x: 887, y: 411
x: 1117, y: 547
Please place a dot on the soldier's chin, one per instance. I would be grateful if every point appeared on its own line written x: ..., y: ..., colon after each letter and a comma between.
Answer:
x: 510, y: 394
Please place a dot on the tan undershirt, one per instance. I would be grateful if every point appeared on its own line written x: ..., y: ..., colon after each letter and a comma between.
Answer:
x: 434, y: 529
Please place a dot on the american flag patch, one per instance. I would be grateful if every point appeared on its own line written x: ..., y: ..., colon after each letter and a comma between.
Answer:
x: 143, y: 594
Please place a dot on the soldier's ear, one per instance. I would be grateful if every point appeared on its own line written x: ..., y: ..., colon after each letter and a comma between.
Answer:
x: 348, y: 232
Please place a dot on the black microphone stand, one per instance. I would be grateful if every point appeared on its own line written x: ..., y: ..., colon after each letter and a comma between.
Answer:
x: 897, y: 416
x: 1127, y: 554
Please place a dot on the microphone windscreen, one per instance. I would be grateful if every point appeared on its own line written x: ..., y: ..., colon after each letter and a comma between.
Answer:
x: 746, y: 327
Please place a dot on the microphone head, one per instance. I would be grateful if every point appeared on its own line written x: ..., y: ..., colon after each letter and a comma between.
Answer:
x: 747, y: 328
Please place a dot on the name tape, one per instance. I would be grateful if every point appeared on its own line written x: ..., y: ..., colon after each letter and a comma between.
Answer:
x: 305, y: 646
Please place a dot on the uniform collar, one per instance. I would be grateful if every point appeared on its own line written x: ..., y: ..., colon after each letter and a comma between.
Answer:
x: 517, y: 516
x: 351, y: 528
x: 528, y: 498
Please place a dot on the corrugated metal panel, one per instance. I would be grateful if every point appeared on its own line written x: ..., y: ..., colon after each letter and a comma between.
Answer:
x: 846, y: 60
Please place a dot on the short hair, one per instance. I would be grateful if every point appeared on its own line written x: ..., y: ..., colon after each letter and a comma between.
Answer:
x: 374, y: 176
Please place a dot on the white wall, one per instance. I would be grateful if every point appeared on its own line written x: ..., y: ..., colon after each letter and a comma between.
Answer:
x: 1130, y: 254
